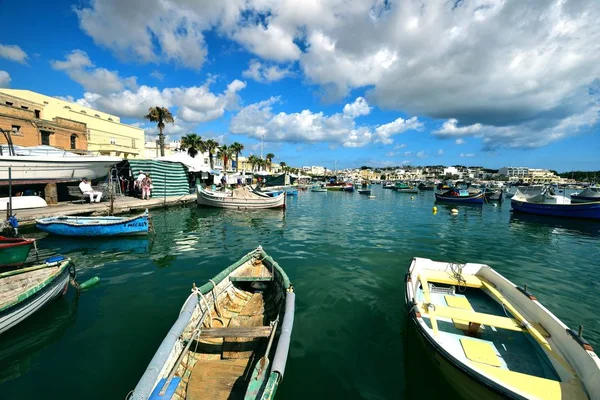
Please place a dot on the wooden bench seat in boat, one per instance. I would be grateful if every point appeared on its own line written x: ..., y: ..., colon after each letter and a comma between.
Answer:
x: 250, y: 278
x: 476, y: 318
x: 463, y: 304
x: 446, y: 278
x: 242, y: 332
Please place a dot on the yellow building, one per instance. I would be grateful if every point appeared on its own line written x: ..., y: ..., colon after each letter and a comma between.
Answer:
x: 105, y: 132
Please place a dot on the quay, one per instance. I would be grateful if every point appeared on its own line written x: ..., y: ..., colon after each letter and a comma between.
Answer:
x: 121, y: 205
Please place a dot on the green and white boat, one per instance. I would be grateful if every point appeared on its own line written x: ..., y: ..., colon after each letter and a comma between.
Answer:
x: 221, y: 345
x: 14, y: 251
x: 492, y: 339
x: 402, y: 187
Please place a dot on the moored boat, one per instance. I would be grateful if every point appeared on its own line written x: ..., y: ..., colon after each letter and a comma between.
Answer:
x: 493, y: 194
x: 22, y: 202
x: 492, y: 339
x: 348, y: 187
x: 94, y: 226
x: 460, y: 196
x: 402, y: 187
x: 588, y: 195
x: 14, y: 251
x: 24, y: 291
x: 554, y: 206
x: 291, y: 192
x: 318, y: 189
x: 240, y: 198
x: 364, y: 191
x: 219, y: 347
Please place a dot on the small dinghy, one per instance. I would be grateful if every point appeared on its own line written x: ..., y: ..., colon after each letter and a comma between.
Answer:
x: 318, y: 189
x: 492, y: 339
x: 364, y: 191
x: 95, y: 226
x: 240, y: 198
x: 231, y: 339
x: 24, y: 291
x: 14, y: 251
x: 460, y: 196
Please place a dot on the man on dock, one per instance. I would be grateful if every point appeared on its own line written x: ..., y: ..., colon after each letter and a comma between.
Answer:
x: 87, y: 190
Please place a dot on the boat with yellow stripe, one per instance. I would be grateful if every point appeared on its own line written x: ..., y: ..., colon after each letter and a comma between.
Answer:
x: 492, y: 339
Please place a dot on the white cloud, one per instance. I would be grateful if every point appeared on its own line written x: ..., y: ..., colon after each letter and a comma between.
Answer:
x: 357, y: 108
x: 421, y: 154
x: 271, y: 43
x: 440, y: 152
x: 463, y: 155
x: 390, y: 154
x: 80, y: 68
x: 459, y: 141
x: 157, y: 75
x: 258, y: 119
x: 265, y: 73
x: 4, y: 79
x: 407, y: 153
x: 13, y: 53
x: 399, y: 146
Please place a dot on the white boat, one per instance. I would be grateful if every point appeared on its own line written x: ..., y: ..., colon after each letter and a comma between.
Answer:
x: 240, y: 198
x: 587, y: 195
x: 52, y: 166
x: 492, y: 339
x: 23, y: 202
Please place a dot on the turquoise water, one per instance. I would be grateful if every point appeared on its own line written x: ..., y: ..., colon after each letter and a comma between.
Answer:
x: 346, y: 256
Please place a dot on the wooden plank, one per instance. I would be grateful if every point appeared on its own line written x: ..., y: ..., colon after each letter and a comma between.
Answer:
x: 249, y: 332
x: 254, y: 306
x: 241, y: 347
x: 445, y: 277
x: 250, y: 279
x: 477, y: 318
x: 218, y: 379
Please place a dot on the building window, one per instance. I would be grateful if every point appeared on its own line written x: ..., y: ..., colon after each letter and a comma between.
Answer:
x: 133, y: 143
x: 67, y: 107
x: 8, y: 103
x: 73, y: 142
x: 37, y: 114
x: 110, y: 119
x: 96, y: 115
x: 16, y: 129
x: 83, y: 112
x: 113, y: 141
x: 25, y: 107
x: 46, y: 138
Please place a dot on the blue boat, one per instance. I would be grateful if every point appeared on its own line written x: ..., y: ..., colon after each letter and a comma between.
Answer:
x: 460, y: 196
x: 292, y: 192
x: 554, y: 207
x: 95, y: 226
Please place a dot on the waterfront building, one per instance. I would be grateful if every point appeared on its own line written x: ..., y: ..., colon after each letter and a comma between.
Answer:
x: 152, y: 148
x: 29, y: 126
x: 105, y: 134
x: 528, y: 175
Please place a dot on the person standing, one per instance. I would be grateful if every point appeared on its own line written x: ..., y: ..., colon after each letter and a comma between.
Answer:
x: 87, y: 190
x: 146, y: 186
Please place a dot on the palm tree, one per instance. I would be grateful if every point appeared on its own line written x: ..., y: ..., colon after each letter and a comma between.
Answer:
x: 193, y: 144
x: 225, y: 153
x: 269, y: 157
x: 283, y: 165
x: 211, y: 145
x: 262, y: 164
x: 237, y: 149
x: 160, y: 115
x: 253, y: 160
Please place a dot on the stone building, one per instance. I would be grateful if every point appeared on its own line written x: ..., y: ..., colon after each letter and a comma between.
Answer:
x: 24, y: 120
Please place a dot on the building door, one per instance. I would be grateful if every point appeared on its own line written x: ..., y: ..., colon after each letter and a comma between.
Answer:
x: 45, y: 138
x: 73, y: 142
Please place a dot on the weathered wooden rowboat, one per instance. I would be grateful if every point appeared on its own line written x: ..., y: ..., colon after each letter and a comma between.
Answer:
x: 462, y: 196
x: 95, y: 226
x: 24, y: 291
x: 14, y: 251
x: 240, y: 198
x: 220, y: 346
x: 493, y: 339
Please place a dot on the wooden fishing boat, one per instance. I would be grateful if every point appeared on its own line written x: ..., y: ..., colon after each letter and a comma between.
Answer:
x: 554, y: 206
x: 402, y: 187
x: 493, y: 194
x: 318, y: 189
x: 95, y: 226
x: 240, y: 198
x: 14, y: 251
x: 492, y: 339
x: 24, y: 291
x: 220, y: 346
x: 460, y: 196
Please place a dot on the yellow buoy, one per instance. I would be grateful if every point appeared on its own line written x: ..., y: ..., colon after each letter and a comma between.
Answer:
x: 434, y: 209
x: 454, y: 211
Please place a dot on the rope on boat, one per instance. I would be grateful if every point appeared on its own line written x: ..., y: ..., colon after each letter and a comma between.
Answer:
x: 217, y: 309
x: 456, y: 272
x: 80, y: 286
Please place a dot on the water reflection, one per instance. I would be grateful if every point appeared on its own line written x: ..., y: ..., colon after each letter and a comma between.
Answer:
x: 554, y: 226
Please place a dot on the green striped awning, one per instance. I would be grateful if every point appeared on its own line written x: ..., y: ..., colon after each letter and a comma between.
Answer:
x: 168, y: 178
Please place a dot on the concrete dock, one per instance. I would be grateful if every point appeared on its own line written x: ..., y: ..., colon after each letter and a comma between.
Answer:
x: 121, y: 205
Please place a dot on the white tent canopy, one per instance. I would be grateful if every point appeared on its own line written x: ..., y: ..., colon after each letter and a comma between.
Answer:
x: 193, y: 164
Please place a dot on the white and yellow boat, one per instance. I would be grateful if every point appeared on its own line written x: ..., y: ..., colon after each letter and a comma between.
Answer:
x: 493, y: 339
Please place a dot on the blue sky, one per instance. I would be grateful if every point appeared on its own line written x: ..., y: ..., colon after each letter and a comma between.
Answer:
x: 373, y: 82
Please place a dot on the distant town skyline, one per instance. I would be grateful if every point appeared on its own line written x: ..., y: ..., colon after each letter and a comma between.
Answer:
x: 377, y: 83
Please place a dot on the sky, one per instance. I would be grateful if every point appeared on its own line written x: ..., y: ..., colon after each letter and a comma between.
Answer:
x: 339, y: 83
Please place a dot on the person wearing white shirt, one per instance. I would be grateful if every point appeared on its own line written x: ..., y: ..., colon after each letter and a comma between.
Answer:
x: 138, y: 182
x: 87, y: 190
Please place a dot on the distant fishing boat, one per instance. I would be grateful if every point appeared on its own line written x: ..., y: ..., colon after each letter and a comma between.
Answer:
x: 291, y: 192
x: 24, y: 291
x: 95, y: 226
x: 388, y: 185
x: 493, y: 194
x: 588, y: 195
x: 348, y: 187
x: 364, y: 191
x: 460, y: 196
x: 402, y: 187
x: 220, y: 345
x: 492, y: 339
x: 240, y: 198
x: 14, y: 251
x: 318, y: 189
x: 426, y: 186
x: 555, y: 206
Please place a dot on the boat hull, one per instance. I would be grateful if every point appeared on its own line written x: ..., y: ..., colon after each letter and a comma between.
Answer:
x: 45, y: 169
x: 14, y: 252
x: 413, y: 191
x: 476, y: 199
x: 23, y: 202
x: 583, y: 199
x: 53, y: 288
x: 208, y: 199
x: 578, y: 210
x: 94, y: 227
x: 364, y: 191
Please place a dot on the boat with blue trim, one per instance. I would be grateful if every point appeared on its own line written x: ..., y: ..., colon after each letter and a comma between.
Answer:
x: 554, y: 206
x: 95, y: 226
x: 588, y: 195
x: 460, y: 196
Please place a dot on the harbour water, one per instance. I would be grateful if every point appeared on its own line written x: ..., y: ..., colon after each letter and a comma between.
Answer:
x: 346, y: 256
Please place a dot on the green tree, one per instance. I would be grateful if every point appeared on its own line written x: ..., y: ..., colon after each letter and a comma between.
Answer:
x: 269, y: 157
x: 237, y: 148
x: 211, y: 145
x: 224, y: 153
x: 160, y: 115
x: 253, y: 160
x: 193, y: 144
